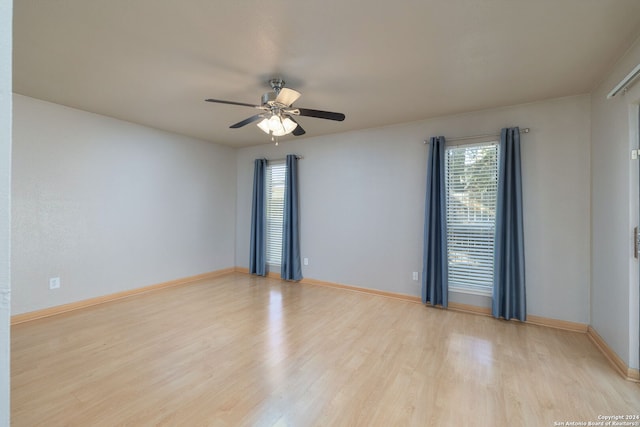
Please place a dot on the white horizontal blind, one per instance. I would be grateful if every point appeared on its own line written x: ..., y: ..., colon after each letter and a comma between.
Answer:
x: 471, y: 182
x: 275, y: 209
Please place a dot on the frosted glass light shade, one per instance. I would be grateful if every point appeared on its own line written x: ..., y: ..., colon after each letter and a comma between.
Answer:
x: 264, y: 125
x: 289, y: 125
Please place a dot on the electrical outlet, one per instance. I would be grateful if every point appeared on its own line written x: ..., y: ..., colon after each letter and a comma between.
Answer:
x: 54, y: 283
x: 305, y: 261
x: 415, y: 275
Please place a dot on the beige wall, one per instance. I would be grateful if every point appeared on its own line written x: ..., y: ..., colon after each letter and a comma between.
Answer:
x: 362, y: 202
x: 5, y: 208
x: 108, y: 205
x: 614, y: 208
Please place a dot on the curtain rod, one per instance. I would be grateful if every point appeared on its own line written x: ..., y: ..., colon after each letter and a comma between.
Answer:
x: 490, y: 135
x: 282, y: 159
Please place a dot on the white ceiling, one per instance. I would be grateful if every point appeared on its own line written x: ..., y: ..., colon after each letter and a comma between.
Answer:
x: 154, y: 62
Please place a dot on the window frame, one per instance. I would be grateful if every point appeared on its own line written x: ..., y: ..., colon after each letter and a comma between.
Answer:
x: 274, y: 211
x: 457, y: 230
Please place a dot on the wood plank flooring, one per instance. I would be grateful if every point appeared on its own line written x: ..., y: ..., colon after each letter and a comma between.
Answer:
x: 246, y: 351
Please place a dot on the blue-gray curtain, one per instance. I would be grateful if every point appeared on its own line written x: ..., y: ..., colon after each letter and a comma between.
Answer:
x: 509, y: 300
x: 435, y: 269
x: 258, y: 255
x: 291, y: 268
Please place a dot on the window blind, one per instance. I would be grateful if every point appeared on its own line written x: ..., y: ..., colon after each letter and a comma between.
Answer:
x: 275, y: 209
x: 471, y: 184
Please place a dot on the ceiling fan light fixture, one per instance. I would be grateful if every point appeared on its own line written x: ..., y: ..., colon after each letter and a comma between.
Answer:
x: 277, y: 126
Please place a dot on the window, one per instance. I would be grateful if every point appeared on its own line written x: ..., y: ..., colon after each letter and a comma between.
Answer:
x: 275, y: 210
x: 472, y: 182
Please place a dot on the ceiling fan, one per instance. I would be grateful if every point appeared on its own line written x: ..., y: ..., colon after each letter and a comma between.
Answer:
x: 276, y: 118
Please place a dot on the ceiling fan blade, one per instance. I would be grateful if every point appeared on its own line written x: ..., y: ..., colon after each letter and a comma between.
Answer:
x: 247, y: 121
x: 220, y: 101
x: 287, y: 96
x: 318, y: 113
x: 298, y: 130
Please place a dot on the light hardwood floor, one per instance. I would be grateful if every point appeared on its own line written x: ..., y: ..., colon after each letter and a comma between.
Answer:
x: 245, y: 351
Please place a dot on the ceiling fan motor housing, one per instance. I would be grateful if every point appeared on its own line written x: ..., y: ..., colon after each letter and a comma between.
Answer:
x: 269, y: 98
